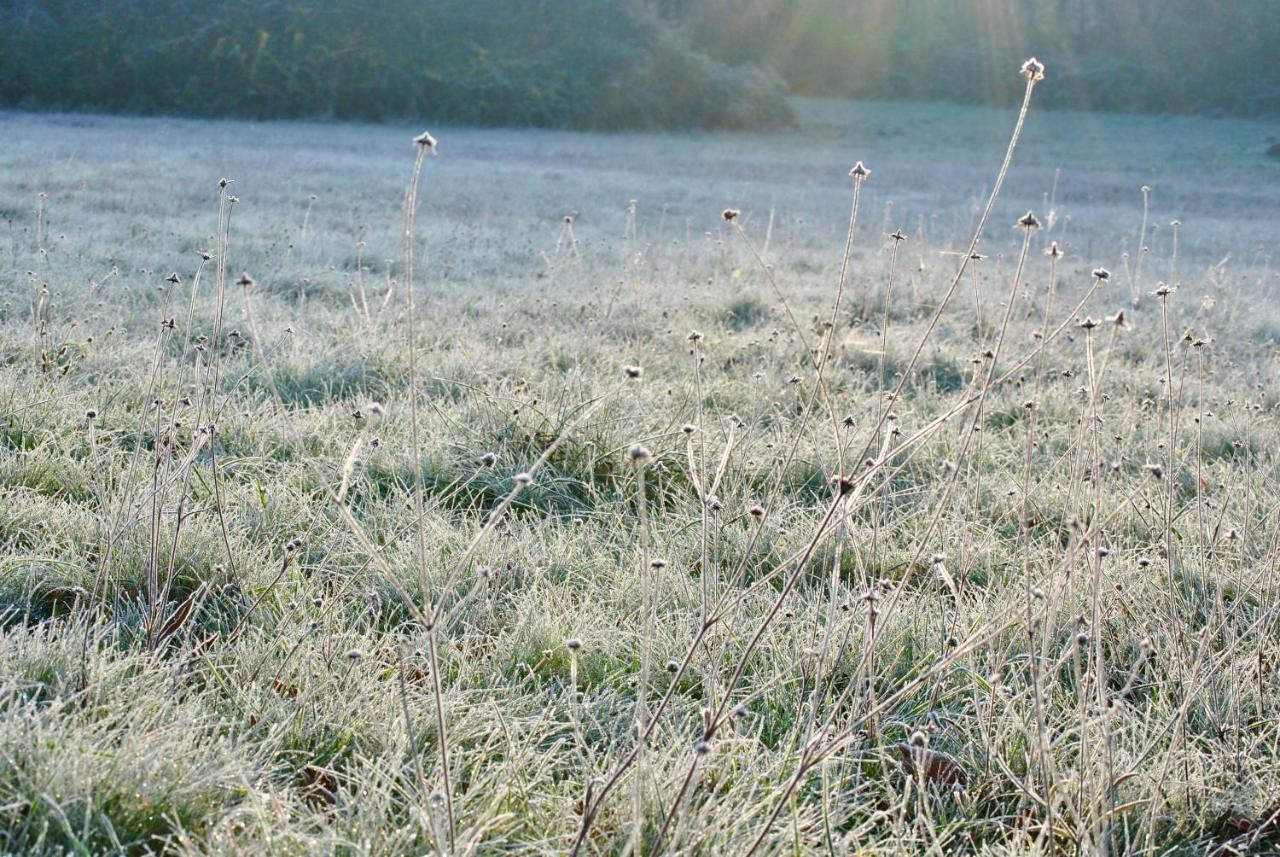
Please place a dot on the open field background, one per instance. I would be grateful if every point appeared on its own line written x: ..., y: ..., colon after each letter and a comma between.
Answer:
x: 213, y: 641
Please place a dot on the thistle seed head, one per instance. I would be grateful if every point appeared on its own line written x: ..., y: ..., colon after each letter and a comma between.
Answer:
x: 426, y: 141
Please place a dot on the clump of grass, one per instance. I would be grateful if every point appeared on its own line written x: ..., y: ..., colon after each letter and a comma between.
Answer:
x: 744, y: 312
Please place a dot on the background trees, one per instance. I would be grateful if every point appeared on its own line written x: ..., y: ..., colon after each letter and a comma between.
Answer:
x: 625, y: 63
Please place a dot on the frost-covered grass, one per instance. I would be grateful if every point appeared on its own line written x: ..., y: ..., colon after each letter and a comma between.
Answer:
x: 1053, y: 559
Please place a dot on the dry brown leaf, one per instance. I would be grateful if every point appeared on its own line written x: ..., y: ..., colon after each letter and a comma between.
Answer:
x: 934, y: 766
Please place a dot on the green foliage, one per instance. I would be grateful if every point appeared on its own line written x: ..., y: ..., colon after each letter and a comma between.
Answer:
x: 598, y: 64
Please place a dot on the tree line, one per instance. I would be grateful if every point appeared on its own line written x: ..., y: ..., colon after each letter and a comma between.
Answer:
x: 609, y: 64
x: 583, y: 63
x: 1154, y: 56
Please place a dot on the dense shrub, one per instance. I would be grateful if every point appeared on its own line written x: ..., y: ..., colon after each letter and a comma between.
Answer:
x: 626, y: 63
x: 583, y: 63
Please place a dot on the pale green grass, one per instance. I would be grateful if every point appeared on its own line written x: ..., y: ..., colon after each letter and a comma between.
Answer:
x: 248, y: 729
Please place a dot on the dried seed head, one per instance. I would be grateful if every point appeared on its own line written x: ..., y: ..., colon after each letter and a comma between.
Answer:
x: 573, y: 644
x: 672, y: 666
x: 1082, y: 639
x: 1101, y: 274
x: 1088, y: 323
x: 639, y: 453
x: 376, y: 409
x: 919, y: 739
x: 354, y: 654
x: 730, y: 214
x: 1163, y: 290
x: 702, y: 748
x: 91, y: 414
x: 694, y: 336
x: 1033, y: 69
x: 1053, y: 251
x: 860, y: 171
x: 426, y: 141
x: 632, y: 372
x: 523, y: 479
x: 1029, y: 221
x: 689, y: 428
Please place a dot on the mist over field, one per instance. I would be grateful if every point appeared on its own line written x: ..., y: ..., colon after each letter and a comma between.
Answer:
x: 722, y: 427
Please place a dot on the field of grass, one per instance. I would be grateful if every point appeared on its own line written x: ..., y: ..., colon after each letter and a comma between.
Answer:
x: 891, y: 557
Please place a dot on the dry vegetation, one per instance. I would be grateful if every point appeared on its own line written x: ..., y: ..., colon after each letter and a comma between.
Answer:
x: 829, y: 542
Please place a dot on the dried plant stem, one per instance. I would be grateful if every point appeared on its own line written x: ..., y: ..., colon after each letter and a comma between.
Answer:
x: 437, y: 690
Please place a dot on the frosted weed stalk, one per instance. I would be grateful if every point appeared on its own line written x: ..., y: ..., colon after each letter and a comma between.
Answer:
x: 847, y: 492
